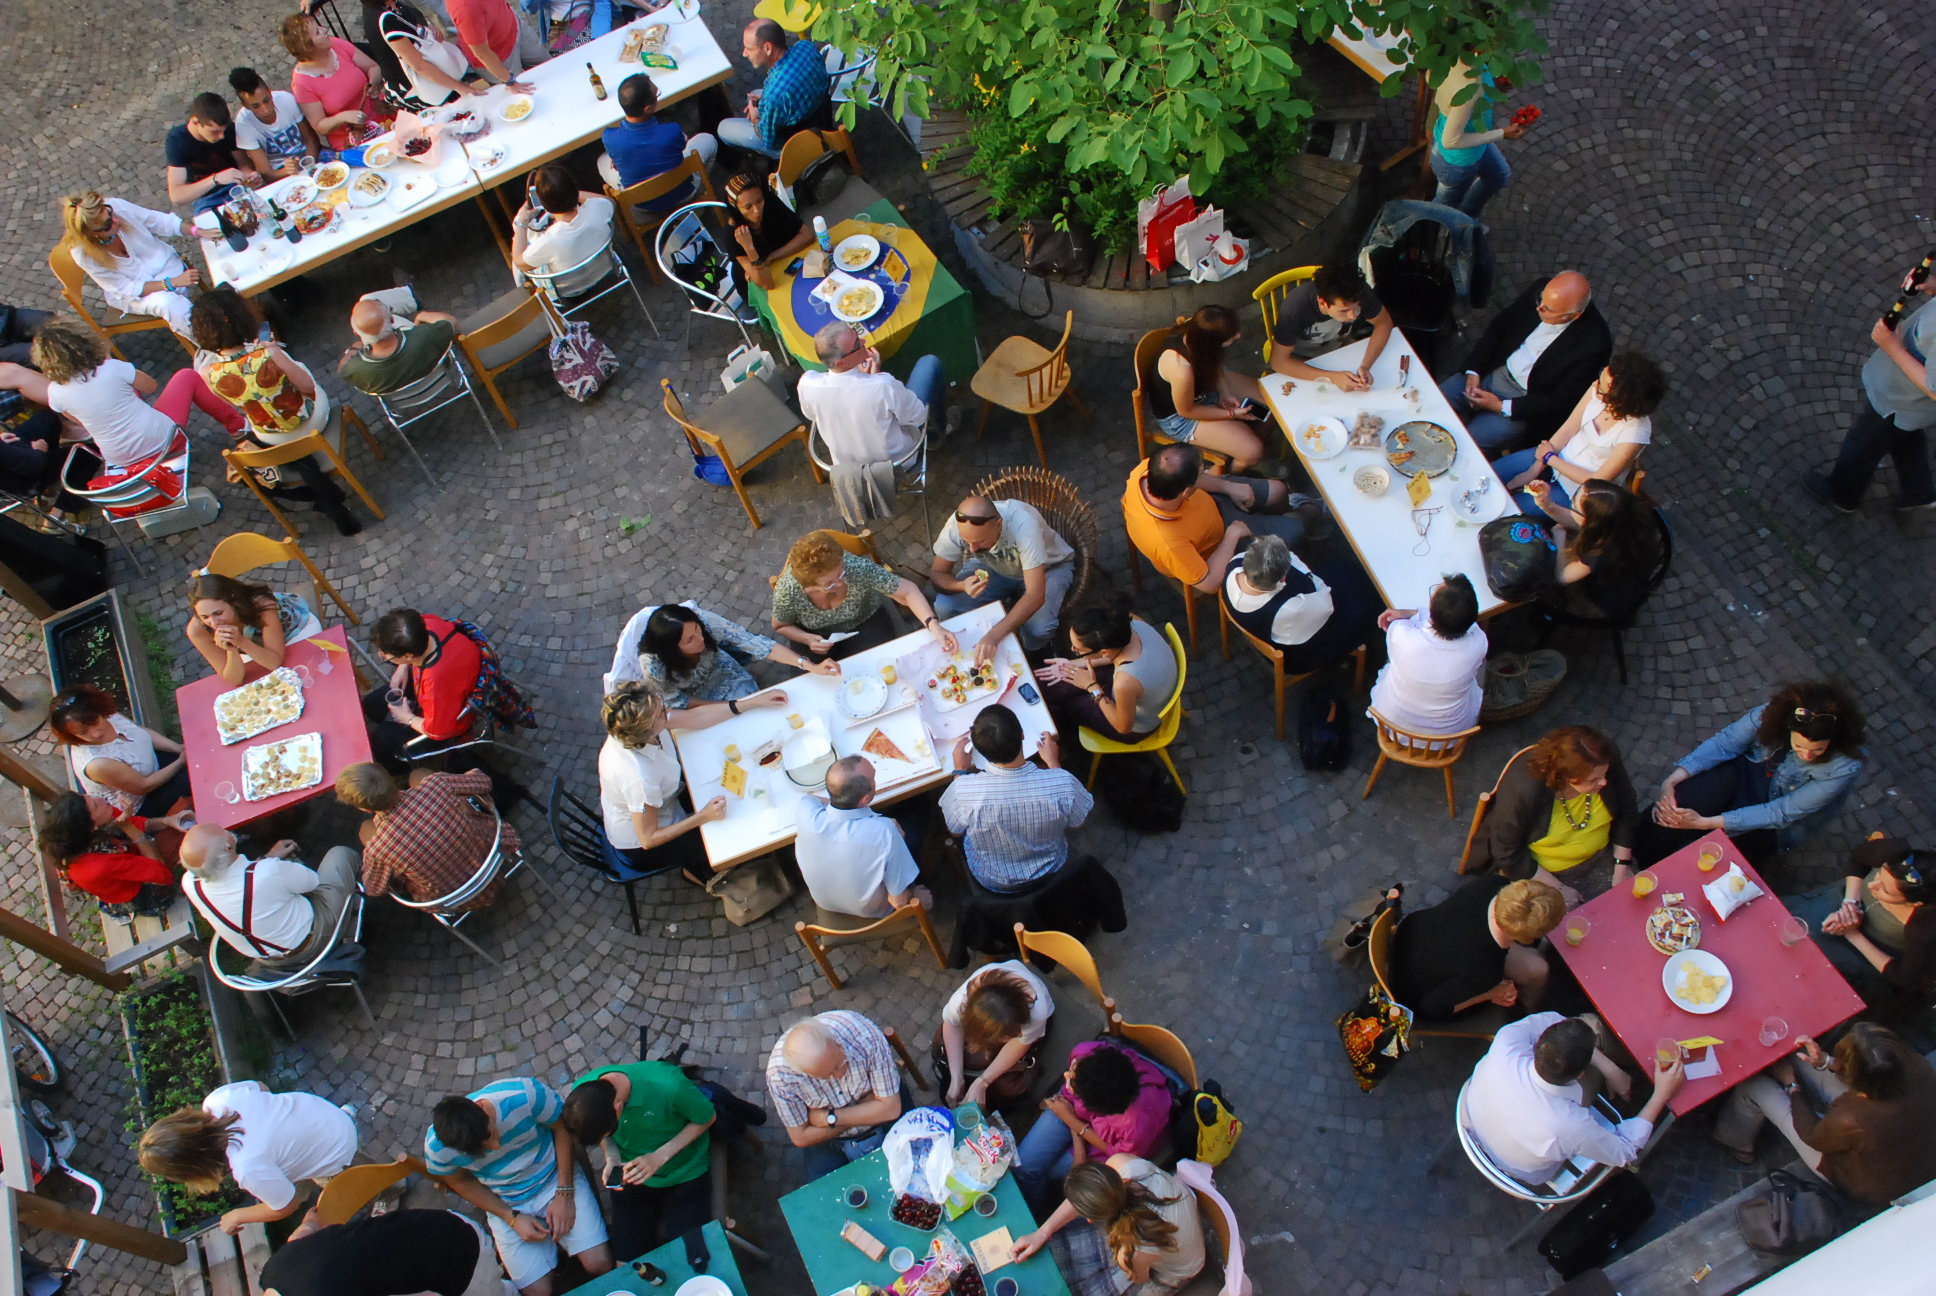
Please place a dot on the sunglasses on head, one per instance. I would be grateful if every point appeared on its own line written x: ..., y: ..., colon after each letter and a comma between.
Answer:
x: 1906, y: 870
x: 969, y: 519
x: 1804, y: 715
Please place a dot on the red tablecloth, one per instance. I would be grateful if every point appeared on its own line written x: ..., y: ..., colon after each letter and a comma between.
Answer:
x: 331, y: 707
x: 1621, y: 972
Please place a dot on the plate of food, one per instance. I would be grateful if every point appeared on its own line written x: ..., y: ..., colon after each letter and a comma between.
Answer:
x: 286, y: 766
x: 516, y: 108
x: 380, y: 154
x: 1673, y: 927
x: 857, y: 251
x: 863, y: 696
x: 1483, y: 502
x: 452, y: 171
x: 953, y: 686
x: 296, y: 193
x: 858, y: 301
x: 1323, y: 437
x: 1420, y: 448
x: 332, y: 175
x: 1697, y: 981
x: 369, y: 189
x: 258, y: 706
x: 1367, y: 431
x: 1372, y: 480
x: 313, y: 219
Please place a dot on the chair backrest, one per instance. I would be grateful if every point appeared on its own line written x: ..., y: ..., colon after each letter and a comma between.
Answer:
x: 849, y: 81
x: 1266, y: 648
x: 1148, y: 348
x: 1045, y: 379
x: 1270, y: 294
x: 1573, y: 1181
x: 71, y: 277
x: 1161, y: 1044
x: 696, y: 436
x: 1182, y: 666
x: 1065, y: 949
x: 487, y: 872
x: 1378, y: 944
x: 416, y: 395
x: 296, y: 980
x: 576, y: 831
x: 507, y: 326
x: 355, y: 1187
x: 1480, y: 811
x: 1427, y: 751
x: 658, y: 186
x: 803, y: 146
x: 237, y: 555
x: 1659, y: 574
x: 138, y: 486
x: 573, y: 280
x: 275, y: 455
x: 1222, y: 1226
x: 1061, y: 505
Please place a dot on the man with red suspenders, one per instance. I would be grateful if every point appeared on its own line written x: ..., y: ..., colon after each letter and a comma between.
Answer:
x: 275, y: 911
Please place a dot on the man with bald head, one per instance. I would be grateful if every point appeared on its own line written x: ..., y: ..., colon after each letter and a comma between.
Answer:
x: 396, y: 342
x: 275, y: 911
x: 854, y: 860
x: 863, y: 413
x: 1532, y: 365
x: 1006, y: 550
x: 836, y: 1088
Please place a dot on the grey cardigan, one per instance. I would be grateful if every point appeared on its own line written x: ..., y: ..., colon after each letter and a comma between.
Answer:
x: 1523, y: 807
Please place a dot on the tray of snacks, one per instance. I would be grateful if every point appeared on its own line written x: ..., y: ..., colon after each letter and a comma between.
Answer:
x: 1697, y: 981
x: 285, y: 766
x: 1420, y: 448
x: 258, y: 706
x: 956, y: 683
x: 650, y: 39
x: 1323, y: 437
x: 1673, y: 927
x: 1367, y: 431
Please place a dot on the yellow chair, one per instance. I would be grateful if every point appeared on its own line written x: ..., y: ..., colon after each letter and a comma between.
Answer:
x: 1023, y: 376
x: 1272, y: 653
x: 329, y: 442
x: 1480, y: 1023
x: 1421, y: 751
x: 1270, y: 295
x: 355, y: 1187
x: 831, y: 930
x: 245, y: 551
x: 1161, y: 1044
x: 803, y: 146
x: 1073, y: 956
x: 794, y: 15
x: 1167, y: 724
x: 642, y: 224
x: 111, y: 323
x: 1148, y: 348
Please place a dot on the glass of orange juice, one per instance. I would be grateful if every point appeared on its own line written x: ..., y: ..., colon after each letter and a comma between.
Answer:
x: 796, y: 720
x: 1577, y: 928
x: 1643, y: 885
x: 889, y: 674
x: 1709, y: 857
x: 732, y: 751
x: 1667, y: 1052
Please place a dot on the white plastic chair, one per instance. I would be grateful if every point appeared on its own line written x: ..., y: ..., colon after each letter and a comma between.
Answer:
x: 1574, y: 1180
x: 349, y: 926
x: 571, y: 290
x: 136, y: 489
x: 497, y: 863
x: 413, y: 402
x: 910, y: 471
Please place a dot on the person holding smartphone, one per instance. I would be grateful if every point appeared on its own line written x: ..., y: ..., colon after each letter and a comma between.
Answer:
x: 653, y: 1125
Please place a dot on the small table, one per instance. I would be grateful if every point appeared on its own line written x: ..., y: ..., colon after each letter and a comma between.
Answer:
x: 1621, y: 972
x: 1382, y: 529
x: 763, y: 819
x: 931, y: 315
x: 331, y: 707
x: 624, y: 1281
x: 816, y: 1213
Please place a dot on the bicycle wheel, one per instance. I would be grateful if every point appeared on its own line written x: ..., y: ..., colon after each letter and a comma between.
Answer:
x: 33, y: 1061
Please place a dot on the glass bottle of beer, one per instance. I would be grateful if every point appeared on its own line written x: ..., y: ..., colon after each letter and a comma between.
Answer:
x: 598, y: 86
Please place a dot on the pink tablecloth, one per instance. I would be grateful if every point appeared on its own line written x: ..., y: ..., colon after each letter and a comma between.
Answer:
x: 331, y: 707
x: 1621, y: 972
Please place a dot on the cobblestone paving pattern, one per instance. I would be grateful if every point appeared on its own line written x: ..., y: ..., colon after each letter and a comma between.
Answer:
x: 1738, y: 180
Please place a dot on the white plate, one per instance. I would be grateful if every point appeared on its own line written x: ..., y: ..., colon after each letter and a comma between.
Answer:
x: 703, y: 1285
x: 453, y: 170
x: 856, y: 252
x: 1476, y: 506
x: 358, y: 198
x: 380, y: 152
x: 295, y: 193
x: 273, y: 259
x: 863, y: 696
x: 1703, y: 961
x: 677, y: 11
x: 874, y: 299
x: 505, y: 108
x: 413, y: 191
x: 329, y: 168
x: 1322, y: 437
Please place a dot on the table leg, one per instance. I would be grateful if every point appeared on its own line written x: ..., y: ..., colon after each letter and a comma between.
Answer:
x: 491, y: 221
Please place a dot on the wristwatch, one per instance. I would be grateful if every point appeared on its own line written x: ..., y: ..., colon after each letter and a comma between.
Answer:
x: 833, y: 1118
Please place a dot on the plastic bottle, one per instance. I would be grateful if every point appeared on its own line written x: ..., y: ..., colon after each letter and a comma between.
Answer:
x: 821, y: 235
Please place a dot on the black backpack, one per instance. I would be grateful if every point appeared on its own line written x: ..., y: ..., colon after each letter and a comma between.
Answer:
x: 1141, y: 793
x: 1596, y: 1228
x: 1323, y: 737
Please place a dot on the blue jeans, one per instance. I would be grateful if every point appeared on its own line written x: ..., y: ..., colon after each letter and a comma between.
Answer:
x: 930, y: 387
x: 825, y: 1158
x: 1469, y: 186
x: 743, y: 134
x: 1043, y: 1158
x: 1038, y: 629
x: 1514, y: 464
x: 1492, y: 431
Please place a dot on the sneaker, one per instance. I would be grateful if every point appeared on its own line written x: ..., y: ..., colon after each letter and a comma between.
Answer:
x: 1815, y: 482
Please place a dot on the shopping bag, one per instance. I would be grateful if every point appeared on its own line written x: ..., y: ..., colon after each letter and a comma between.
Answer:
x: 1225, y: 256
x: 1157, y: 218
x: 580, y: 362
x: 1193, y: 236
x: 745, y: 362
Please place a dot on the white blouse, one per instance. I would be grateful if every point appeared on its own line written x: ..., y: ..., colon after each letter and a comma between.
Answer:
x: 148, y: 260
x: 131, y: 745
x: 629, y: 780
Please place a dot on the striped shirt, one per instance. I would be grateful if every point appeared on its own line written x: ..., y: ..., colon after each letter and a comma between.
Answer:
x: 796, y: 88
x: 871, y: 1071
x: 523, y: 1167
x: 1014, y: 823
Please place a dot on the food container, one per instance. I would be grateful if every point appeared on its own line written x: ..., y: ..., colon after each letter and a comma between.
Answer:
x: 1372, y: 479
x: 807, y: 756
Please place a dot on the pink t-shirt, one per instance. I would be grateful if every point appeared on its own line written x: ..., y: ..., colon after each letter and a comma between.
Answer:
x: 1140, y: 1129
x: 338, y: 92
x: 490, y: 23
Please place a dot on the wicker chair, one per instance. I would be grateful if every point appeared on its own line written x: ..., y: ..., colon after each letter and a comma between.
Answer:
x: 1061, y: 505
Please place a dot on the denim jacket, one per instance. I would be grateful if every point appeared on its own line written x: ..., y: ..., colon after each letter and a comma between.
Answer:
x: 1801, y: 798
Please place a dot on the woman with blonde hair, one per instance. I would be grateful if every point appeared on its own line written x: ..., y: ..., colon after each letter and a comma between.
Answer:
x: 1559, y: 805
x: 1474, y: 947
x: 640, y: 785
x: 119, y: 245
x: 991, y: 1031
x: 269, y: 1141
x: 825, y: 590
x: 1197, y: 400
x: 236, y: 625
x: 1148, y: 1219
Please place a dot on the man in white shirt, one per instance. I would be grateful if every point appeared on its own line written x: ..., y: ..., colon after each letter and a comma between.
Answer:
x: 1430, y: 684
x: 1528, y: 1108
x: 575, y: 223
x: 855, y: 860
x: 865, y: 414
x: 1006, y: 550
x: 271, y: 127
x: 275, y: 910
x: 1532, y: 364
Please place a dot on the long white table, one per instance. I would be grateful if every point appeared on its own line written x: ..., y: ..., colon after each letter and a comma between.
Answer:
x: 566, y: 114
x: 762, y: 819
x: 1384, y: 530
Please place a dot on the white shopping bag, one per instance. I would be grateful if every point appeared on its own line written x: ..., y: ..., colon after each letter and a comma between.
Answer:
x: 1193, y: 237
x: 1228, y: 255
x: 745, y: 362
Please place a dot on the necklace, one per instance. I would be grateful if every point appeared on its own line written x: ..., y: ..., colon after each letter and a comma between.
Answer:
x: 1586, y: 805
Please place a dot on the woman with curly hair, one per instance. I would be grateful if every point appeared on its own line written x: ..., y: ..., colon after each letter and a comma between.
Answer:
x: 1601, y: 439
x: 235, y: 625
x: 1770, y: 780
x: 1559, y: 804
x: 1147, y: 1217
x: 826, y: 590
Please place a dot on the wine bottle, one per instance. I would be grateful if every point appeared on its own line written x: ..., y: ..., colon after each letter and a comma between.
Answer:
x: 230, y: 233
x: 1917, y: 277
x: 598, y: 86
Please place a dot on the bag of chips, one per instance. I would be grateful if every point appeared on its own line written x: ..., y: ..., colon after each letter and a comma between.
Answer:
x: 1730, y: 891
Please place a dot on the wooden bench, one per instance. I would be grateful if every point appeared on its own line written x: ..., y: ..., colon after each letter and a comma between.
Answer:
x: 220, y: 1265
x: 132, y: 945
x: 1667, y: 1265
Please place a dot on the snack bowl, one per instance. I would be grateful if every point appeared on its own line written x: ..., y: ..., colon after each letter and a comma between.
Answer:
x: 516, y: 109
x: 1704, y: 963
x: 380, y: 154
x: 1372, y: 479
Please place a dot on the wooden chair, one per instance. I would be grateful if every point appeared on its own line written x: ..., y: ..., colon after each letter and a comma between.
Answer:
x: 1271, y: 652
x: 1270, y: 294
x: 1188, y: 593
x: 1061, y: 505
x: 830, y: 930
x: 1421, y: 751
x: 110, y: 323
x: 1480, y: 811
x: 641, y: 226
x: 245, y: 551
x: 1071, y: 954
x: 516, y: 325
x: 803, y: 146
x: 1167, y: 724
x: 355, y: 1187
x: 908, y: 1064
x: 861, y: 546
x: 1148, y: 348
x: 1224, y: 1239
x: 749, y: 425
x: 329, y: 442
x: 1024, y: 377
x: 1480, y: 1025
x: 1161, y: 1044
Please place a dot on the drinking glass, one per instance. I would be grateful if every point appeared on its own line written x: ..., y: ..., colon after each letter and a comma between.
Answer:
x: 796, y: 720
x: 308, y: 166
x: 1577, y: 927
x: 1773, y: 1031
x: 1794, y: 930
x: 1667, y: 1051
x: 889, y: 674
x: 1709, y: 857
x: 303, y: 674
x: 226, y: 791
x: 1643, y: 885
x: 325, y: 664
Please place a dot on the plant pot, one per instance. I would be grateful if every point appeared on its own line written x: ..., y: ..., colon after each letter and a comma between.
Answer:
x: 96, y: 643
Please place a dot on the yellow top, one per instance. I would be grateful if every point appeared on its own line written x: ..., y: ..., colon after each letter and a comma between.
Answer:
x: 1577, y: 833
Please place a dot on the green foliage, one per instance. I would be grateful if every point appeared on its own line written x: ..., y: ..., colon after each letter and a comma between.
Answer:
x: 173, y: 1042
x: 1104, y: 103
x: 632, y: 526
x: 161, y: 669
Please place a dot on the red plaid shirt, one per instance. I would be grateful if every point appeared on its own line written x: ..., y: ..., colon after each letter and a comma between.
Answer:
x: 434, y: 841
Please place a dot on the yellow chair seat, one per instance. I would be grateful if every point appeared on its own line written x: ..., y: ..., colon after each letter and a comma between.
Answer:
x: 1166, y: 727
x: 794, y: 15
x: 1002, y: 380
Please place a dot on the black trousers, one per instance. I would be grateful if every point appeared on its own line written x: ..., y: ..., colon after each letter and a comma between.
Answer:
x: 1728, y: 786
x: 1870, y: 439
x: 645, y: 1218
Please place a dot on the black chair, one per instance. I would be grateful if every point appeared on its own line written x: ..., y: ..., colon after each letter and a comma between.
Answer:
x: 1614, y: 625
x: 579, y: 833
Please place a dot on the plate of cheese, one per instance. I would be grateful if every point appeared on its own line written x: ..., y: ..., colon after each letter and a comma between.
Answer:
x: 258, y: 706
x: 285, y: 766
x: 1322, y: 437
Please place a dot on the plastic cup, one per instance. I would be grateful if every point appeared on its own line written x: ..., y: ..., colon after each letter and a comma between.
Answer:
x: 1007, y: 1286
x: 227, y: 792
x: 968, y: 1119
x: 986, y: 1206
x: 1667, y: 1051
x: 1643, y: 885
x: 1577, y: 927
x: 303, y: 674
x: 1773, y: 1031
x: 395, y: 698
x: 732, y: 751
x: 901, y: 1258
x: 325, y: 665
x: 1709, y: 857
x: 186, y: 820
x: 855, y: 1196
x: 1794, y: 931
x: 889, y: 674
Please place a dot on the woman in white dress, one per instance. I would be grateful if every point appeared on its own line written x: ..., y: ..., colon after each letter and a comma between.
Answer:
x: 119, y: 245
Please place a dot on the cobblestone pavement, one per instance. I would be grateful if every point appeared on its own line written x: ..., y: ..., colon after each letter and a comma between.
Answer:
x: 1738, y: 181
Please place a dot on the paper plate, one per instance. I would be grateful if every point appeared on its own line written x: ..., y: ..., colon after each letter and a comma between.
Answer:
x: 856, y: 252
x: 1323, y: 437
x: 874, y: 298
x: 1477, y: 505
x: 505, y: 109
x: 1701, y: 961
x: 703, y: 1285
x: 453, y: 170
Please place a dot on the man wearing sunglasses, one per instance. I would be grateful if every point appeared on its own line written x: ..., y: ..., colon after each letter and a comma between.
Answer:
x: 1530, y: 366
x: 1002, y: 549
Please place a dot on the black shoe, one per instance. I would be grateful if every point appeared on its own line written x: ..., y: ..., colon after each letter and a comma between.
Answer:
x: 1912, y: 508
x: 1815, y: 482
x: 345, y: 521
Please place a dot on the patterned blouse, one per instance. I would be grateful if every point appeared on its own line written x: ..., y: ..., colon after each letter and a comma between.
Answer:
x: 869, y: 585
x: 717, y: 676
x: 257, y: 385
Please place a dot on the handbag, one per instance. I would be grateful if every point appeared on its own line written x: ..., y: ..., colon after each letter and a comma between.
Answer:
x: 1011, y: 1086
x: 1593, y: 1230
x: 1348, y: 941
x: 823, y: 179
x: 580, y: 362
x: 1790, y: 1217
x: 1518, y: 554
x: 1323, y: 737
x: 750, y: 891
x: 1375, y: 1033
x: 1047, y: 250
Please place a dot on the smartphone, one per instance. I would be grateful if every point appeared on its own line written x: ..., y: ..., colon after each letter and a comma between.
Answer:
x: 1029, y: 695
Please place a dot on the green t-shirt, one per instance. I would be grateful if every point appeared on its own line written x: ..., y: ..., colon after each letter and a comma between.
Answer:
x: 663, y: 1102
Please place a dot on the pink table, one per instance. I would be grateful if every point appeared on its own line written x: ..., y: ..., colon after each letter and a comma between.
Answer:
x: 331, y: 706
x: 1620, y: 971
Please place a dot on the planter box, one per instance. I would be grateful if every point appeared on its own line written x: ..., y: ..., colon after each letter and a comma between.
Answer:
x: 175, y: 1068
x: 96, y: 643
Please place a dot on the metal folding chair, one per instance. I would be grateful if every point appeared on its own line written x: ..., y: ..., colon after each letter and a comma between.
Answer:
x: 414, y: 402
x: 349, y: 926
x: 498, y: 863
x: 684, y: 231
x: 142, y: 486
x: 599, y: 275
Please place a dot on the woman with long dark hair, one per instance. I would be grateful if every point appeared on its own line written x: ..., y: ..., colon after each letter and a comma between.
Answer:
x: 1120, y: 677
x: 1609, y: 544
x: 110, y: 855
x: 1196, y: 399
x: 694, y: 656
x: 236, y: 624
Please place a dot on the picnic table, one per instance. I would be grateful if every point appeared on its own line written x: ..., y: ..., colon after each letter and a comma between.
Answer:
x: 761, y: 818
x: 924, y: 311
x: 624, y: 1280
x: 331, y: 707
x: 1621, y: 973
x: 1406, y: 551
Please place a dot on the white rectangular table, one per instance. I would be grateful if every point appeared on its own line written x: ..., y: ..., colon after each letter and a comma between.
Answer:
x: 763, y: 818
x: 1404, y: 564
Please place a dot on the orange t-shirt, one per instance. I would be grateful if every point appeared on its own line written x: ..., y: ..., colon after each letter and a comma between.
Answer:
x: 1176, y: 542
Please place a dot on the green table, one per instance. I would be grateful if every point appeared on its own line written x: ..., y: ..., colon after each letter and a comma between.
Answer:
x: 816, y: 1213
x: 671, y: 1257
